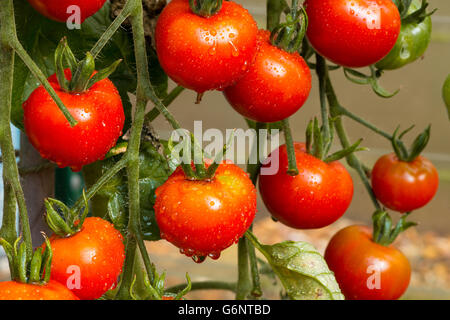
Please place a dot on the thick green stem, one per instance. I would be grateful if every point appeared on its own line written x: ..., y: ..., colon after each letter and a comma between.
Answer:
x: 322, y: 73
x: 10, y: 170
x: 205, y: 285
x: 134, y: 238
x: 244, y: 285
x: 292, y: 159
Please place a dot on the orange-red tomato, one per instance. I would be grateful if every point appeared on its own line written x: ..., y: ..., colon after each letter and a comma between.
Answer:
x: 318, y: 196
x: 353, y: 33
x: 100, y: 118
x: 89, y: 262
x: 58, y: 9
x: 275, y: 87
x: 205, y: 53
x: 404, y: 186
x: 53, y: 290
x: 202, y: 218
x: 364, y: 269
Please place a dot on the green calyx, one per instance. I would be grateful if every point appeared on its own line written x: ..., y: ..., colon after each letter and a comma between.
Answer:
x: 384, y: 233
x: 83, y: 76
x: 319, y: 142
x: 289, y: 35
x: 63, y: 221
x: 418, y: 145
x: 156, y: 290
x: 205, y: 8
x: 34, y: 269
x: 372, y: 80
x: 413, y: 16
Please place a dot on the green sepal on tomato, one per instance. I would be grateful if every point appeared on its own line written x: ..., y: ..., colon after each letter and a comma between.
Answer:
x: 412, y: 42
x: 205, y: 53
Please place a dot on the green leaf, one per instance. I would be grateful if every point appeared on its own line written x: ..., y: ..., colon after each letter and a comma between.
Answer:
x: 111, y: 201
x: 301, y: 269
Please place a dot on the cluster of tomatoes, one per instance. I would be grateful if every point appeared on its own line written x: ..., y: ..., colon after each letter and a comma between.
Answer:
x: 226, y: 51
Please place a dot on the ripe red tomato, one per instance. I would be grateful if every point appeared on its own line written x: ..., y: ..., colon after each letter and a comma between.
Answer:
x: 57, y: 9
x: 100, y: 117
x: 205, y: 53
x: 353, y: 33
x: 89, y: 262
x: 53, y: 290
x: 404, y: 186
x: 364, y: 269
x: 202, y: 218
x: 275, y: 87
x: 318, y: 196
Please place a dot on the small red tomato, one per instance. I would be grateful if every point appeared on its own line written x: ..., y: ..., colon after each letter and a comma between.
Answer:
x: 364, y: 269
x: 404, y: 186
x: 275, y: 87
x: 353, y: 33
x: 53, y: 290
x: 202, y: 218
x: 61, y: 10
x: 89, y: 262
x: 100, y: 118
x: 205, y: 53
x: 318, y: 196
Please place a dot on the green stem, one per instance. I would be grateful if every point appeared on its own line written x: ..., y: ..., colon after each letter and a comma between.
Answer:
x: 10, y: 170
x: 134, y: 237
x: 205, y: 285
x: 292, y: 159
x: 244, y: 285
x: 118, y: 166
x: 352, y: 160
x: 322, y: 73
x: 154, y: 113
x: 115, y: 25
x: 21, y: 52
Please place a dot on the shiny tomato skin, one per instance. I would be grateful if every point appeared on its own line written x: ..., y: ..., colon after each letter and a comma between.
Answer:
x: 404, y: 186
x: 53, y: 290
x: 99, y: 253
x: 202, y: 218
x: 276, y: 86
x: 318, y: 196
x: 353, y: 33
x: 204, y: 54
x: 57, y: 9
x: 355, y: 258
x: 100, y: 118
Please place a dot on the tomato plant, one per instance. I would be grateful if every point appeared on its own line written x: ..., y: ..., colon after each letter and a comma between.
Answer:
x: 202, y: 218
x: 364, y: 269
x: 316, y: 197
x: 58, y: 10
x: 88, y: 109
x: 275, y: 87
x: 205, y: 53
x: 353, y: 33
